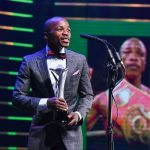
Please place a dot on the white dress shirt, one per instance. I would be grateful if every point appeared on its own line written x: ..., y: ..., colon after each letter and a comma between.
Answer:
x: 53, y: 63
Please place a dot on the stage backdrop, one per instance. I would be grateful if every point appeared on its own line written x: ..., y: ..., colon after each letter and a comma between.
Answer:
x: 21, y: 33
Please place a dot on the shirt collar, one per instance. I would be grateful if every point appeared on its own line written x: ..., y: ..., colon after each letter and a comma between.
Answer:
x: 48, y: 48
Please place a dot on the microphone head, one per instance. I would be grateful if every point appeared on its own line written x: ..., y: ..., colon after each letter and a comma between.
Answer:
x: 86, y: 36
x: 90, y: 37
x: 119, y: 61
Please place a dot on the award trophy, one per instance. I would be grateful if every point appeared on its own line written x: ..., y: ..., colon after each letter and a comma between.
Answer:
x: 61, y: 116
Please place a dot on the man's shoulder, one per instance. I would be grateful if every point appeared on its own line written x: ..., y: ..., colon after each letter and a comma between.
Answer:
x: 100, y: 99
x: 74, y: 54
x: 101, y: 94
x: 145, y: 89
x: 33, y: 56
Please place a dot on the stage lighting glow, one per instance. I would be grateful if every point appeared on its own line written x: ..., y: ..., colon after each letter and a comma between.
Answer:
x: 6, y: 103
x: 19, y: 118
x: 9, y: 43
x: 14, y: 73
x: 10, y: 58
x: 6, y: 87
x: 16, y: 28
x: 22, y: 1
x: 7, y: 13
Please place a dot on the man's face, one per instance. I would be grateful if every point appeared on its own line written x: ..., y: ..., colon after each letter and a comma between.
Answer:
x: 134, y: 57
x: 58, y: 34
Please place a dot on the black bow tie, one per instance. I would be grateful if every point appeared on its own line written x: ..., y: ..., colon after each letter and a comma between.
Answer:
x: 57, y: 55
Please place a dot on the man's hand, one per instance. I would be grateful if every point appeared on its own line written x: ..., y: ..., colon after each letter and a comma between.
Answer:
x: 57, y: 103
x: 73, y: 118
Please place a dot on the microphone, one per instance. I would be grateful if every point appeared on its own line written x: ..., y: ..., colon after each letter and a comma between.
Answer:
x: 90, y: 37
x: 119, y: 61
x: 114, y: 56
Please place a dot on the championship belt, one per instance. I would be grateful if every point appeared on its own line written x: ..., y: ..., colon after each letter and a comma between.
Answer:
x: 133, y: 112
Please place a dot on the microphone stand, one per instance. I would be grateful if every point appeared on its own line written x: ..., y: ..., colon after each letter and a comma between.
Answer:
x: 111, y: 84
x: 112, y: 71
x: 112, y: 66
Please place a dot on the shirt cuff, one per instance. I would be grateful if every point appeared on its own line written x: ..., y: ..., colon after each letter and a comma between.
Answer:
x: 42, y: 106
x: 79, y: 115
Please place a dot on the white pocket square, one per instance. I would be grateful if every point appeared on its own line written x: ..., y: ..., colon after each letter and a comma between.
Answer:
x: 77, y: 72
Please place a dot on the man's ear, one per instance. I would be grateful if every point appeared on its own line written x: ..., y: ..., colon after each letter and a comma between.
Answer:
x: 45, y: 36
x: 144, y: 65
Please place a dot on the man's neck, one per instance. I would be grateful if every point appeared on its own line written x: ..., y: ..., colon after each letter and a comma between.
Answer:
x: 135, y: 81
x: 62, y: 50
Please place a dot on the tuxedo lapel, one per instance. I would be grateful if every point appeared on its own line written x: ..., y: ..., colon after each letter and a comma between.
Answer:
x: 70, y: 64
x: 71, y: 67
x: 42, y: 66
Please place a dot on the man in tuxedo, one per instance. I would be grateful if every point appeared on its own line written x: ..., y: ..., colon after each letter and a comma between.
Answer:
x: 39, y: 71
x: 132, y: 98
